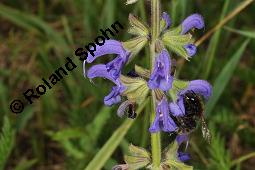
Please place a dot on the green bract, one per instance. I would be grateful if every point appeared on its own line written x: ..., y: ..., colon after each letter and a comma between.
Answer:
x: 176, y: 42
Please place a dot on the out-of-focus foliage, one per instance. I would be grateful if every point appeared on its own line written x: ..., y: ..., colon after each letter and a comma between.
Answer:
x: 67, y: 127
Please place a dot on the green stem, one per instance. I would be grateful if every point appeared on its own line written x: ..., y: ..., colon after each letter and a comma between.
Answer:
x: 155, y: 28
x: 155, y: 139
x: 155, y: 19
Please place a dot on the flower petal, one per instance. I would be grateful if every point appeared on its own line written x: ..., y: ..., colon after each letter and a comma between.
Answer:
x: 155, y: 127
x: 100, y: 70
x: 160, y: 77
x: 192, y: 21
x: 109, y: 47
x: 115, y: 66
x: 114, y: 96
x: 167, y: 19
x: 176, y: 110
x: 163, y: 121
x: 200, y: 87
x: 191, y: 49
x: 183, y: 156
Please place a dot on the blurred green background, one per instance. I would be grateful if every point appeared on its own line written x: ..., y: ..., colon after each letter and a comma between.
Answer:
x: 67, y: 126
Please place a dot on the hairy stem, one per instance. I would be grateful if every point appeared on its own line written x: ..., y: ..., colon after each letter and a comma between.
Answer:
x: 155, y: 28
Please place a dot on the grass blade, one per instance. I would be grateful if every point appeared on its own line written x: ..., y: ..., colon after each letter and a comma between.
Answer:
x: 106, y: 151
x: 211, y: 51
x: 34, y: 24
x: 7, y: 138
x: 249, y: 34
x: 242, y: 158
x: 224, y: 77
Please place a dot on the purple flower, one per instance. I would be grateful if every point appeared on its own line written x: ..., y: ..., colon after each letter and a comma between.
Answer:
x: 191, y: 49
x: 111, y: 70
x: 192, y: 21
x: 110, y: 47
x: 199, y: 87
x: 162, y: 121
x: 114, y: 96
x: 100, y: 70
x: 167, y: 19
x: 160, y: 77
x: 183, y: 156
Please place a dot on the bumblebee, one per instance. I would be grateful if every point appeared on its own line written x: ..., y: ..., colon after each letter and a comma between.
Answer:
x: 194, y: 112
x: 131, y: 111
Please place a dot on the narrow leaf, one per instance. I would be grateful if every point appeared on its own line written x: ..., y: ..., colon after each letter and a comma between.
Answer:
x: 106, y: 151
x: 249, y: 34
x: 224, y: 77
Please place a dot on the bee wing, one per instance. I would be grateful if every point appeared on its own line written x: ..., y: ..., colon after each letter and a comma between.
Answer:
x: 205, y: 131
x: 122, y: 108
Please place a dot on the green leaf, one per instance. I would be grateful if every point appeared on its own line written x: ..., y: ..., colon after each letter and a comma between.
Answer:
x: 248, y: 34
x: 219, y: 155
x: 106, y: 151
x: 224, y: 77
x: 25, y: 164
x: 7, y: 138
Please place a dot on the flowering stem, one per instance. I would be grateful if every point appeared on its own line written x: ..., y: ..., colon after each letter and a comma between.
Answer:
x: 155, y: 28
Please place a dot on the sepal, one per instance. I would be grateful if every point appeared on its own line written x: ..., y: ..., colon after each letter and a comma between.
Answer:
x: 142, y: 72
x: 136, y: 89
x: 171, y: 159
x: 138, y: 158
x: 178, y: 85
x: 177, y: 42
x: 137, y: 27
x: 134, y: 45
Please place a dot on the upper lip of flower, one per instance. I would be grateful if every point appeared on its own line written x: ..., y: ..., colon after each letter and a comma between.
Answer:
x: 111, y: 70
x: 192, y: 21
x: 110, y: 47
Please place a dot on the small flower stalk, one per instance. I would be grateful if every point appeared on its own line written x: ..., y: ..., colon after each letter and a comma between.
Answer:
x: 177, y: 105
